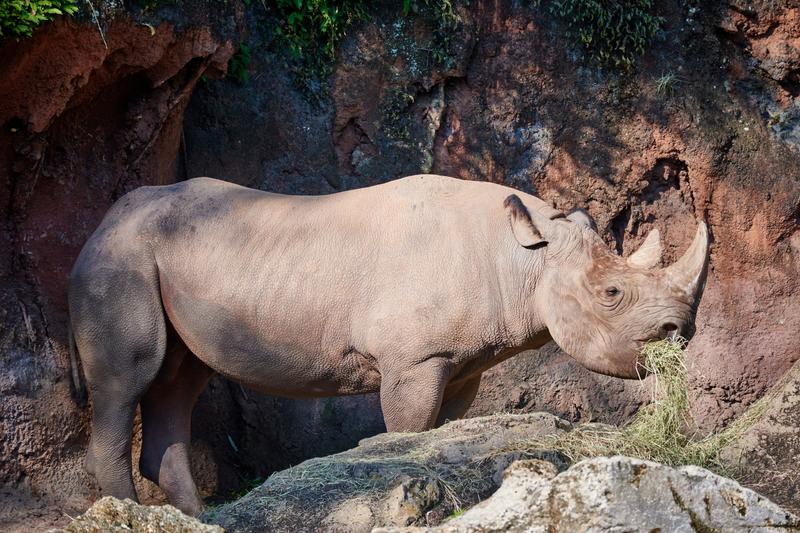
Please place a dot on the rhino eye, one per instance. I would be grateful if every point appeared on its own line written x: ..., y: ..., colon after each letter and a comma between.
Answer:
x: 612, y: 291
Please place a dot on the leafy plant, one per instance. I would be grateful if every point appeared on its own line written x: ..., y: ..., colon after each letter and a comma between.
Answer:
x: 238, y: 66
x: 446, y: 21
x: 443, y: 10
x: 317, y: 26
x: 310, y: 31
x: 613, y: 33
x: 18, y: 18
x: 666, y: 84
x: 456, y: 513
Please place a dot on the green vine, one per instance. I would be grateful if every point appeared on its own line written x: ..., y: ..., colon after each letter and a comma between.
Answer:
x: 310, y: 31
x: 238, y: 66
x: 613, y: 33
x: 446, y: 22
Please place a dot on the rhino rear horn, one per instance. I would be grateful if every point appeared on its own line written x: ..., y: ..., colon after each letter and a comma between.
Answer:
x: 581, y: 216
x: 525, y: 231
x: 649, y: 253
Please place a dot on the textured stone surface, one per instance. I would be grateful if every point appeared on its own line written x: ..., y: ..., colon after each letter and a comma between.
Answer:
x: 616, y: 494
x: 769, y: 33
x: 110, y: 515
x: 391, y: 479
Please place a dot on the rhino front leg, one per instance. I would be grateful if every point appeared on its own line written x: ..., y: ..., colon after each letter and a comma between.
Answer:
x: 411, y: 396
x: 457, y: 400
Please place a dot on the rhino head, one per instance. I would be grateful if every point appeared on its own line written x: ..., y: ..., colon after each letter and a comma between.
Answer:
x: 602, y: 308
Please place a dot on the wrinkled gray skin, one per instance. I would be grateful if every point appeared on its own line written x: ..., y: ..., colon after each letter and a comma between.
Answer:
x: 412, y: 288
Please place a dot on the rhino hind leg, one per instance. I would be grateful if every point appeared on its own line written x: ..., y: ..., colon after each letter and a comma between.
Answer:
x: 166, y: 428
x: 109, y: 455
x: 120, y: 332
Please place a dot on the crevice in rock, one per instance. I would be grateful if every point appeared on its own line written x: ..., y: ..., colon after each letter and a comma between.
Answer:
x: 663, y: 176
x: 346, y: 141
x: 791, y: 83
x: 697, y: 524
x: 619, y: 226
x: 667, y: 175
x: 450, y: 86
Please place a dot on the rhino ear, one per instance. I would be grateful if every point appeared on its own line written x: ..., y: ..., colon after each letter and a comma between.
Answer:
x: 522, y: 226
x: 581, y: 216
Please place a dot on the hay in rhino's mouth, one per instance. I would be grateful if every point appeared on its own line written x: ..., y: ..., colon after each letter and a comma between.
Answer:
x: 660, y: 431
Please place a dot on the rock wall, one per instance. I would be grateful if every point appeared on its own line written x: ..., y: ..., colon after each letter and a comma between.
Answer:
x: 765, y: 456
x: 707, y: 127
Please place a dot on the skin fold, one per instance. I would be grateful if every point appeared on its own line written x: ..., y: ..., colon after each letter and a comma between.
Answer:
x: 411, y: 289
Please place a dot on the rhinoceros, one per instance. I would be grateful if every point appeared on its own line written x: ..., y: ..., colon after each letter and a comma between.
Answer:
x: 411, y: 288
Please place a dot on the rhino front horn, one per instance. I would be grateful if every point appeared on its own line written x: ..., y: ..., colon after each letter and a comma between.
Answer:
x: 687, y: 273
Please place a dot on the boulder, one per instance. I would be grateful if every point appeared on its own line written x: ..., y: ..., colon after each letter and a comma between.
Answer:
x: 616, y: 494
x: 393, y: 479
x: 110, y: 515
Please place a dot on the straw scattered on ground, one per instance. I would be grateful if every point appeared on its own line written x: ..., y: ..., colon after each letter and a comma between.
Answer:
x: 658, y: 432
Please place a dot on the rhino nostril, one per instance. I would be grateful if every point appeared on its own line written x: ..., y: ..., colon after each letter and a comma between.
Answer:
x: 669, y: 330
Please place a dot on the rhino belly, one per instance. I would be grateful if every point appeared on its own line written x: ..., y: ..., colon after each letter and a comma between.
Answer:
x: 271, y: 354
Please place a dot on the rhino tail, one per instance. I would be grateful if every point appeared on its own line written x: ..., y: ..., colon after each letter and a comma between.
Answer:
x: 78, y: 382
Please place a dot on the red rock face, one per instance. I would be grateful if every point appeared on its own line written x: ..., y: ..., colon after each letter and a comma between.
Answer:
x: 511, y: 102
x: 771, y: 35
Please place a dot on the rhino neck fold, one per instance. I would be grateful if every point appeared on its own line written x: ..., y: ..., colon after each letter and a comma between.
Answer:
x: 518, y: 281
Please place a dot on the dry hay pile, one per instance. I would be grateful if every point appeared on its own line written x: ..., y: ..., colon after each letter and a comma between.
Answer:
x: 658, y: 432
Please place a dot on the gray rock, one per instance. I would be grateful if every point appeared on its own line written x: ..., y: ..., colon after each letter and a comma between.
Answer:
x: 110, y: 515
x: 619, y: 494
x: 392, y: 479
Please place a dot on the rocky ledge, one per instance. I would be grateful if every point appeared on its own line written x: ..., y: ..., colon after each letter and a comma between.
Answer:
x: 410, y: 483
x: 393, y: 479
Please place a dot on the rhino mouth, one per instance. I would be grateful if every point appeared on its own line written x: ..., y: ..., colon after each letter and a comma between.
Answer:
x: 661, y: 335
x: 671, y: 335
